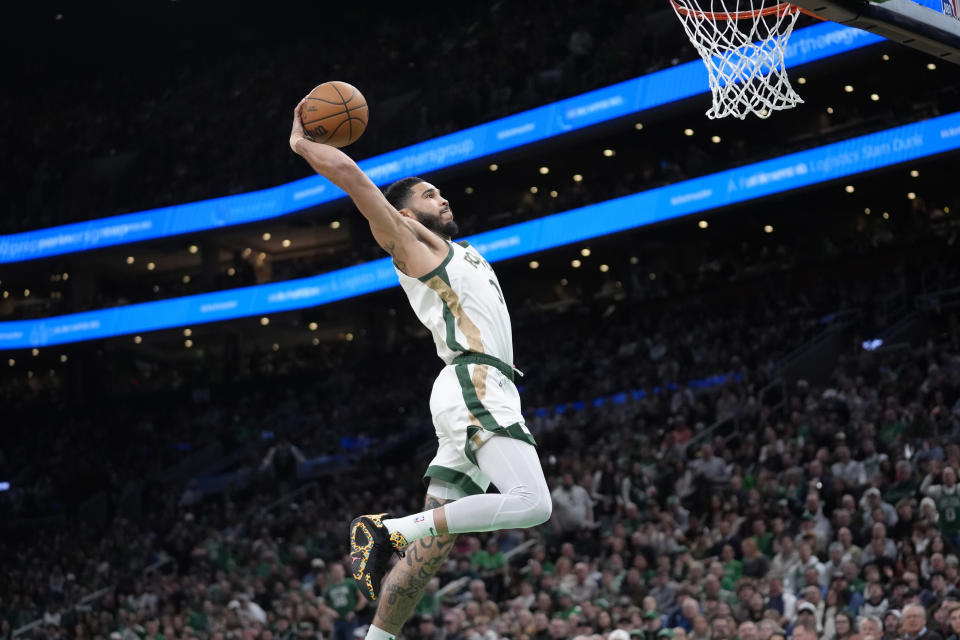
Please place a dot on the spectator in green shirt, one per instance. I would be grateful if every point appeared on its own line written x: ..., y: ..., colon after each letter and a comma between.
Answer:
x: 341, y: 596
x: 732, y: 568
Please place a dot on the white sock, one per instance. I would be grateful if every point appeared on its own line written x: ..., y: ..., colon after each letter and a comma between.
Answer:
x: 413, y: 527
x: 376, y: 633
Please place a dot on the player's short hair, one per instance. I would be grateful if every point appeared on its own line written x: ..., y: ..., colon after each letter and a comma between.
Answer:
x: 398, y: 192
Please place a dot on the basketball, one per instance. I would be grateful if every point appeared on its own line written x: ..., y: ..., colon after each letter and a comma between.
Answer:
x: 335, y: 114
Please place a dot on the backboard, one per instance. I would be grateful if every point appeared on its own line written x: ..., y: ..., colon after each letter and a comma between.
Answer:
x: 932, y: 26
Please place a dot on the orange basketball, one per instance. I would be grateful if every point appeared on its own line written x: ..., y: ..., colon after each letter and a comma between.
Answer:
x: 335, y: 113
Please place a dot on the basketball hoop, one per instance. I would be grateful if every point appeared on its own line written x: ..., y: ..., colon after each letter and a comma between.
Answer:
x: 743, y: 49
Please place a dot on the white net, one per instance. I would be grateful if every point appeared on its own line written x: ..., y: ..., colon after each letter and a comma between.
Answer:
x: 742, y: 45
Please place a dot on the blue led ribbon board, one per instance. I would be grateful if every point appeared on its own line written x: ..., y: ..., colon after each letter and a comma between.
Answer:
x: 741, y: 184
x: 652, y: 90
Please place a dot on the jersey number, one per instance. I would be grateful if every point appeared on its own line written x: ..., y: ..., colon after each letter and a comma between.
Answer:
x: 499, y: 293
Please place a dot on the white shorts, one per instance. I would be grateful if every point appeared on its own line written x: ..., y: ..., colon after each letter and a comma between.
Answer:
x: 470, y: 404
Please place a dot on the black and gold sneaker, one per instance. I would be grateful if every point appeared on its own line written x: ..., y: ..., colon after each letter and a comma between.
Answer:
x: 371, y: 546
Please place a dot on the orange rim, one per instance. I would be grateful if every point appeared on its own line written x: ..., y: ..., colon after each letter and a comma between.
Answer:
x: 778, y: 9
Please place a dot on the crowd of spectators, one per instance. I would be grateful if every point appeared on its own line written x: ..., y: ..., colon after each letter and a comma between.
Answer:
x: 644, y: 501
x: 834, y: 518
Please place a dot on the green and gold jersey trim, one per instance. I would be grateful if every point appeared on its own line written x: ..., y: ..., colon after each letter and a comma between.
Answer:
x: 473, y: 390
x: 454, y: 477
x: 441, y: 268
x: 453, y: 314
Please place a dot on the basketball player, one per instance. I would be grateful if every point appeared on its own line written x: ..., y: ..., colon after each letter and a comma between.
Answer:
x: 475, y: 405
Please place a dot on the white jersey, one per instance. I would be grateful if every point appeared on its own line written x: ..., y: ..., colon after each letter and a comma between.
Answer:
x: 461, y: 304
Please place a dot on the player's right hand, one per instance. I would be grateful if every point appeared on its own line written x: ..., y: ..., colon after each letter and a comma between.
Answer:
x: 296, y: 132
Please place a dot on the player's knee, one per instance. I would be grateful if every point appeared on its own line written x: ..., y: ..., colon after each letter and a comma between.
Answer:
x: 542, y: 510
x: 537, y: 505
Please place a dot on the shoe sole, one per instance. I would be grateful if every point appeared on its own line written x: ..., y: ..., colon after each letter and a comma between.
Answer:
x: 360, y: 554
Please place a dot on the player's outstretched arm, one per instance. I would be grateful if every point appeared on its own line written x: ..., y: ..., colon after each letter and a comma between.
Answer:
x: 388, y: 226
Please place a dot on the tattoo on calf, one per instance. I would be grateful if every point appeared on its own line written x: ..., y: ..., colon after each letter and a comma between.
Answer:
x: 404, y: 585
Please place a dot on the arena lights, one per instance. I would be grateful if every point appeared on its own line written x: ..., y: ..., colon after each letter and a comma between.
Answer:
x: 285, y: 243
x: 493, y: 166
x: 275, y: 346
x: 187, y: 332
x: 231, y: 271
x: 575, y: 263
x: 914, y: 173
x: 185, y: 279
x: 886, y: 216
x: 585, y: 252
x: 866, y: 210
x: 63, y: 357
x: 315, y: 341
x: 688, y: 132
x: 264, y: 321
x: 130, y: 260
x: 534, y: 264
x: 577, y: 177
x: 468, y: 190
x: 911, y: 196
x: 137, y: 339
x: 652, y: 276
x: 931, y: 66
x: 246, y: 252
x: 638, y: 126
x: 313, y: 326
x: 151, y: 266
x: 554, y: 193
x: 609, y: 153
x: 604, y: 268
x: 849, y: 188
x: 26, y: 293
x: 534, y: 189
x: 801, y: 80
x: 188, y: 343
x: 830, y: 110
x: 901, y: 145
x: 193, y: 248
x: 335, y: 224
x: 875, y: 97
x: 563, y: 282
x: 35, y: 352
x: 848, y: 88
x: 634, y: 260
x: 715, y: 139
x: 11, y: 362
x: 703, y: 224
x: 348, y: 337
x: 624, y: 99
x: 266, y: 236
x: 544, y: 170
x: 768, y: 228
x: 885, y: 57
